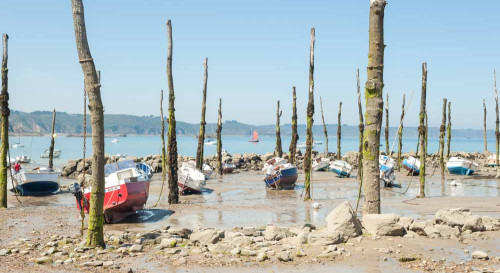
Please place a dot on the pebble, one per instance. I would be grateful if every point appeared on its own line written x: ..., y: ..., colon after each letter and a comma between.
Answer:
x: 135, y: 248
x: 108, y: 263
x: 43, y: 260
x: 4, y: 252
x: 262, y: 257
x: 479, y: 255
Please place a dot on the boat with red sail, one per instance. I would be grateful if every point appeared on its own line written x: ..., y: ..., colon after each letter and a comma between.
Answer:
x: 255, y: 137
x: 126, y: 190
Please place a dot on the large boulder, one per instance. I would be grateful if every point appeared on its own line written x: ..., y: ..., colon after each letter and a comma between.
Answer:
x: 343, y: 219
x: 207, y: 236
x: 473, y: 223
x: 490, y: 223
x: 453, y: 217
x: 383, y: 224
x: 447, y: 231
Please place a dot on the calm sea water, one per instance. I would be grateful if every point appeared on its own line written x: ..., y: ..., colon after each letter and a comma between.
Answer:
x: 145, y: 145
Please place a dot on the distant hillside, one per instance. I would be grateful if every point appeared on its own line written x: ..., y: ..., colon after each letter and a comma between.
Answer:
x: 39, y: 122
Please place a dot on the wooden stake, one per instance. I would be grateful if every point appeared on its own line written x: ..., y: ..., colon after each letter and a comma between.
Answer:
x: 310, y: 121
x: 448, y: 131
x: 219, y: 139
x: 173, y: 195
x: 201, y: 136
x: 52, y: 143
x: 442, y: 130
x: 361, y: 130
x: 387, y: 127
x: 422, y: 130
x: 4, y: 104
x: 295, y: 137
x: 400, y: 134
x: 163, y: 150
x: 95, y: 234
x: 485, y: 141
x: 339, y: 132
x: 324, y: 127
x: 278, y: 150
x: 374, y: 108
x: 497, y: 133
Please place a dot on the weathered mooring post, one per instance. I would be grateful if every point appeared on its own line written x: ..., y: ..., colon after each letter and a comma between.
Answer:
x: 278, y: 151
x: 422, y: 130
x: 95, y: 234
x: 448, y: 131
x: 400, y: 134
x: 497, y: 122
x: 442, y: 130
x: 310, y: 114
x: 484, y: 125
x: 339, y: 132
x: 387, y: 126
x: 201, y: 136
x: 361, y: 127
x: 295, y: 136
x: 324, y: 127
x: 374, y: 108
x: 52, y: 143
x: 4, y: 104
x: 219, y: 139
x: 173, y: 195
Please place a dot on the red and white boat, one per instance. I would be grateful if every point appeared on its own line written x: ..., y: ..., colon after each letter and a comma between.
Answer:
x: 126, y: 190
x: 255, y: 137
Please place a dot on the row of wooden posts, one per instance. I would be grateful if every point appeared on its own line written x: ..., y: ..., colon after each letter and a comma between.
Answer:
x: 369, y: 124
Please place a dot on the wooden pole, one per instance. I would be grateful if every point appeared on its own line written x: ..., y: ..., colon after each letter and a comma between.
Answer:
x: 339, y: 132
x: 52, y: 143
x: 422, y: 130
x: 163, y: 150
x: 448, y: 131
x: 324, y: 126
x: 400, y: 134
x: 310, y: 121
x: 95, y: 234
x: 485, y: 140
x: 497, y: 133
x: 387, y: 126
x: 442, y: 130
x: 201, y: 136
x: 295, y: 137
x: 4, y: 104
x: 361, y: 127
x: 219, y: 139
x: 374, y: 108
x: 278, y: 150
x: 173, y: 195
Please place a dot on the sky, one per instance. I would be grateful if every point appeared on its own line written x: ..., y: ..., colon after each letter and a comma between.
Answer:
x: 256, y: 50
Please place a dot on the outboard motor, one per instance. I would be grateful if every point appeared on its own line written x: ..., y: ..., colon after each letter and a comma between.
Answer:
x: 76, y: 190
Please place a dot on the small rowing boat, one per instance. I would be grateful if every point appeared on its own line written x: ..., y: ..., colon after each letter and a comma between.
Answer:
x: 279, y: 174
x: 321, y: 164
x: 412, y: 165
x: 461, y: 166
x: 341, y: 168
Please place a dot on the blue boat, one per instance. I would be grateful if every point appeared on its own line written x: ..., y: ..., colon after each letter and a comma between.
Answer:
x: 341, y: 168
x: 461, y: 166
x: 412, y: 165
x: 284, y: 177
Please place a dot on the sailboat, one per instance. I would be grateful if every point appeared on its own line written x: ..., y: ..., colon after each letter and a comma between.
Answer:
x: 255, y: 137
x: 17, y: 144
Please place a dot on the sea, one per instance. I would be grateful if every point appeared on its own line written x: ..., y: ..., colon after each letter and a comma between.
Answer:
x: 72, y: 147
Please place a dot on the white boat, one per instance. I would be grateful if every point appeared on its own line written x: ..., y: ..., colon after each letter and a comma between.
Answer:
x: 210, y: 142
x: 56, y: 154
x: 386, y: 165
x: 207, y: 171
x: 321, y: 164
x: 114, y: 140
x: 303, y: 146
x: 17, y: 145
x: 39, y: 181
x: 492, y: 160
x: 318, y: 142
x: 341, y: 168
x: 190, y: 179
x: 228, y: 166
x: 458, y: 165
x: 280, y: 174
x: 412, y: 165
x: 23, y: 159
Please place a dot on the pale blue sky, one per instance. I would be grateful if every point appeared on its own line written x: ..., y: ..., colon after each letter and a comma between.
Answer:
x: 257, y: 50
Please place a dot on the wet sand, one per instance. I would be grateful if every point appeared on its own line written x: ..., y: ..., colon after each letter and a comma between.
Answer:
x: 241, y: 200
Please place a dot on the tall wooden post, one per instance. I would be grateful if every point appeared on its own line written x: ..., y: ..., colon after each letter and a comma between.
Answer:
x: 339, y: 132
x: 219, y: 139
x: 4, y: 104
x: 173, y: 195
x: 95, y: 234
x: 422, y: 129
x: 295, y: 136
x: 485, y: 141
x: 497, y: 122
x: 400, y: 134
x: 52, y: 142
x: 361, y: 127
x: 374, y: 108
x: 310, y: 114
x: 448, y: 131
x: 387, y: 126
x: 278, y: 151
x: 324, y: 126
x: 163, y: 150
x: 201, y: 136
x: 442, y: 130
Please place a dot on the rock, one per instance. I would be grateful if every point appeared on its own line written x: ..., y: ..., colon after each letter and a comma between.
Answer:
x: 167, y: 243
x: 108, y: 263
x: 207, y: 236
x: 173, y: 251
x: 220, y: 248
x: 384, y: 250
x: 274, y: 233
x: 236, y: 251
x: 4, y: 251
x: 248, y: 252
x: 261, y: 257
x: 431, y: 232
x: 452, y: 216
x: 419, y: 227
x: 383, y: 224
x: 479, y: 255
x: 490, y: 223
x: 241, y: 241
x: 447, y: 231
x: 406, y: 222
x: 250, y: 232
x: 68, y: 261
x: 343, y: 219
x: 182, y: 232
x: 43, y: 260
x: 325, y: 238
x: 52, y: 250
x: 285, y: 256
x: 473, y: 223
x: 135, y: 248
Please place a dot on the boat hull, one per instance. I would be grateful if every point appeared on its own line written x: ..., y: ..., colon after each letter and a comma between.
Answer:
x: 412, y: 169
x: 37, y: 188
x: 341, y: 173
x: 460, y: 170
x: 284, y: 179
